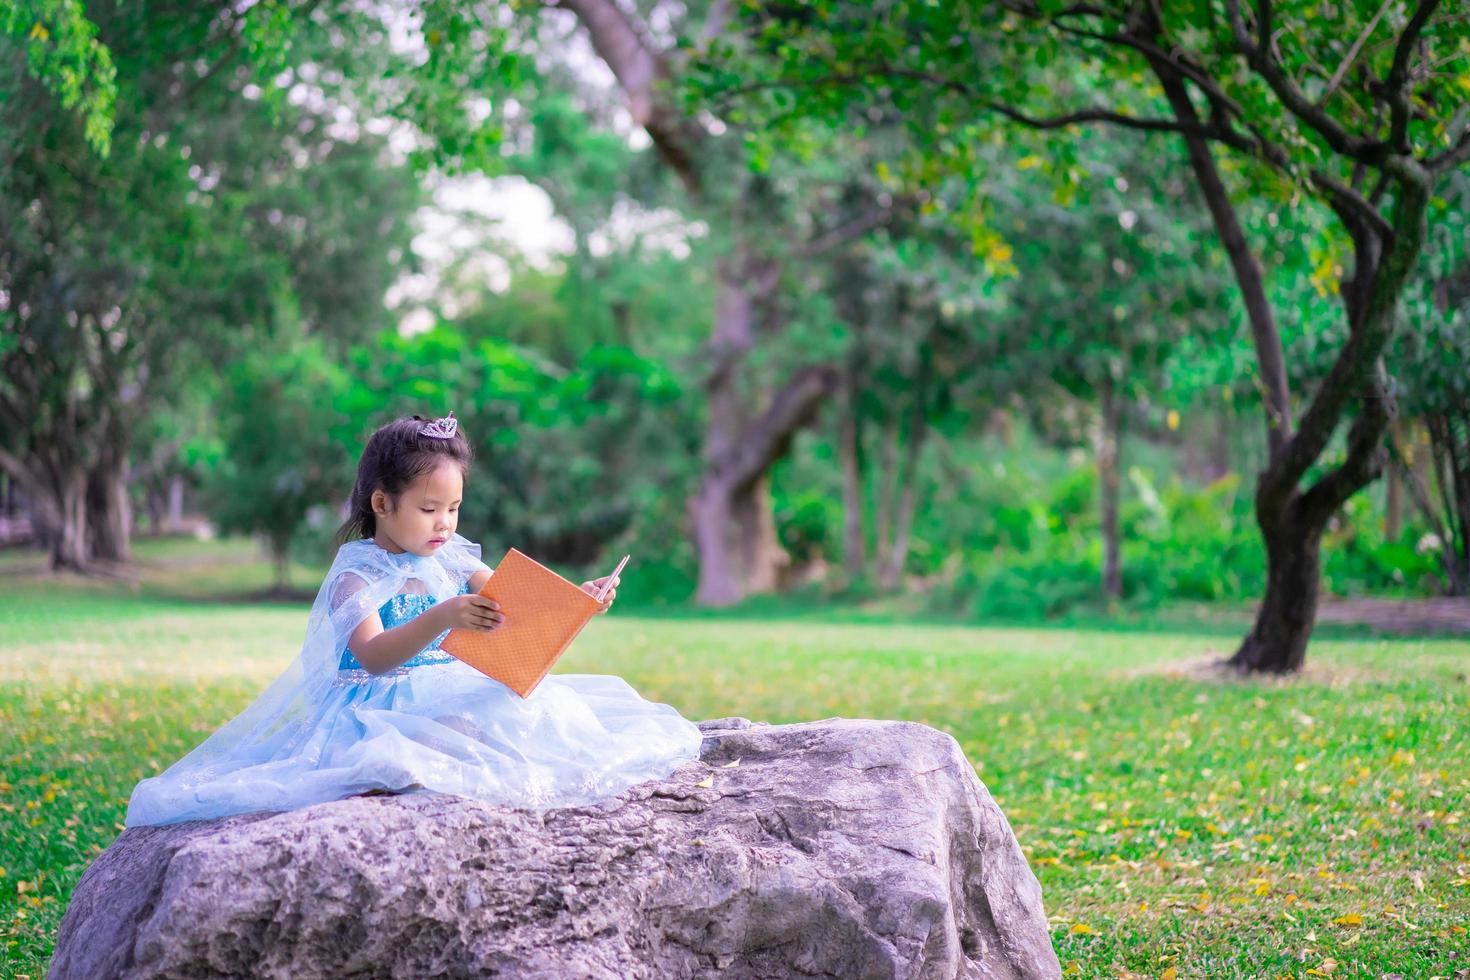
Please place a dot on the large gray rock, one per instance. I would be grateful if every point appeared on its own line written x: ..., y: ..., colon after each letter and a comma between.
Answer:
x: 838, y: 848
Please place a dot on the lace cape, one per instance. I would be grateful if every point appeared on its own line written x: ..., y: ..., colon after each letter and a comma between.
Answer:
x: 363, y: 576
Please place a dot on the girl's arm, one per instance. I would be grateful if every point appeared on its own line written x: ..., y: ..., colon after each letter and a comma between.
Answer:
x: 380, y: 650
x: 478, y: 580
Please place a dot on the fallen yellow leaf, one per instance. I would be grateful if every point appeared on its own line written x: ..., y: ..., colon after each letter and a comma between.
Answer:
x: 1349, y: 920
x: 1169, y: 974
x: 707, y: 781
x: 1083, y: 929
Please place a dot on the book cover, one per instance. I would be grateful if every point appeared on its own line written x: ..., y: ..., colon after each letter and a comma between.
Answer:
x: 543, y: 615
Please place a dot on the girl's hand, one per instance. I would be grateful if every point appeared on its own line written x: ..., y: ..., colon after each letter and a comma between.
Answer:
x: 471, y: 611
x: 594, y: 586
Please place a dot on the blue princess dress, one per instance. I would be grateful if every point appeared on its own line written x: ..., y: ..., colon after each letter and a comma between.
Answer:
x: 327, y: 728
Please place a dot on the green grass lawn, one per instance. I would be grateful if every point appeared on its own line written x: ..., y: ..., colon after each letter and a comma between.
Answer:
x: 1180, y: 826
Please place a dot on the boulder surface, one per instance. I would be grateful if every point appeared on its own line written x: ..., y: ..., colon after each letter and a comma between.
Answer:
x: 846, y: 848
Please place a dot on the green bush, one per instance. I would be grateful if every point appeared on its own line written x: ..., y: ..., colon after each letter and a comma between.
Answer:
x: 1025, y: 519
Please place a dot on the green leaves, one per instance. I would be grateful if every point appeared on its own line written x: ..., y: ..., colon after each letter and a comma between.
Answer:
x: 285, y: 439
x: 64, y: 54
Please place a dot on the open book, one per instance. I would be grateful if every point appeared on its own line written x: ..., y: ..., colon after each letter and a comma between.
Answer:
x: 543, y: 615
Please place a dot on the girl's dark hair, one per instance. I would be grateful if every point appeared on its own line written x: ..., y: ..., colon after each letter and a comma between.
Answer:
x: 395, y: 456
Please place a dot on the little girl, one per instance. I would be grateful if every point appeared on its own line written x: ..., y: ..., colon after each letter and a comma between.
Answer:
x: 373, y: 704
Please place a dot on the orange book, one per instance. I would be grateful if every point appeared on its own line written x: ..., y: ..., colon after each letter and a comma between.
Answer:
x: 543, y: 615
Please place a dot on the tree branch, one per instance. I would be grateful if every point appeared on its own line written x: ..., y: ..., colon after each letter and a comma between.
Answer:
x: 1223, y: 108
x: 766, y: 439
x: 1351, y: 56
x: 1418, y: 489
x: 18, y: 470
x: 1212, y: 91
x: 10, y: 411
x: 962, y: 88
x: 1350, y: 371
x: 1348, y: 202
x: 715, y: 19
x: 639, y: 69
x: 1365, y: 455
x: 1265, y: 335
x: 1452, y: 158
x: 1398, y: 76
x: 849, y: 230
x: 1258, y: 53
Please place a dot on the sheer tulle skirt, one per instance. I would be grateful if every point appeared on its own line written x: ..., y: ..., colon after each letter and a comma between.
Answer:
x: 578, y: 739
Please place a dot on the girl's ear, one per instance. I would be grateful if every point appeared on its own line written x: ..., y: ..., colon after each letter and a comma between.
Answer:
x: 380, y: 503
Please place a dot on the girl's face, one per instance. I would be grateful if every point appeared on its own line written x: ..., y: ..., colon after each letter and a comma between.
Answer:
x: 426, y: 514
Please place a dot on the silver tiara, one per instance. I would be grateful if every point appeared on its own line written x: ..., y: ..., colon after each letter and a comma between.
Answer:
x: 444, y: 428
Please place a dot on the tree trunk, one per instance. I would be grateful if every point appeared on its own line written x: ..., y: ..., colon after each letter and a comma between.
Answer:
x: 1356, y: 377
x: 62, y: 511
x: 1277, y: 643
x: 1107, y: 479
x: 721, y: 581
x: 758, y: 551
x: 56, y: 488
x: 897, y: 552
x: 735, y: 536
x: 739, y: 553
x: 732, y: 564
x: 109, y: 511
x: 68, y: 535
x: 1418, y: 467
x: 849, y: 444
x: 1000, y: 423
x: 1265, y: 337
x: 281, y: 558
x: 887, y: 490
x: 175, y: 502
x: 1451, y: 457
x: 1393, y: 507
x: 1220, y: 449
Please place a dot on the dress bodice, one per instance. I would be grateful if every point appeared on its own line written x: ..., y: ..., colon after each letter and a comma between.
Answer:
x: 397, y: 611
